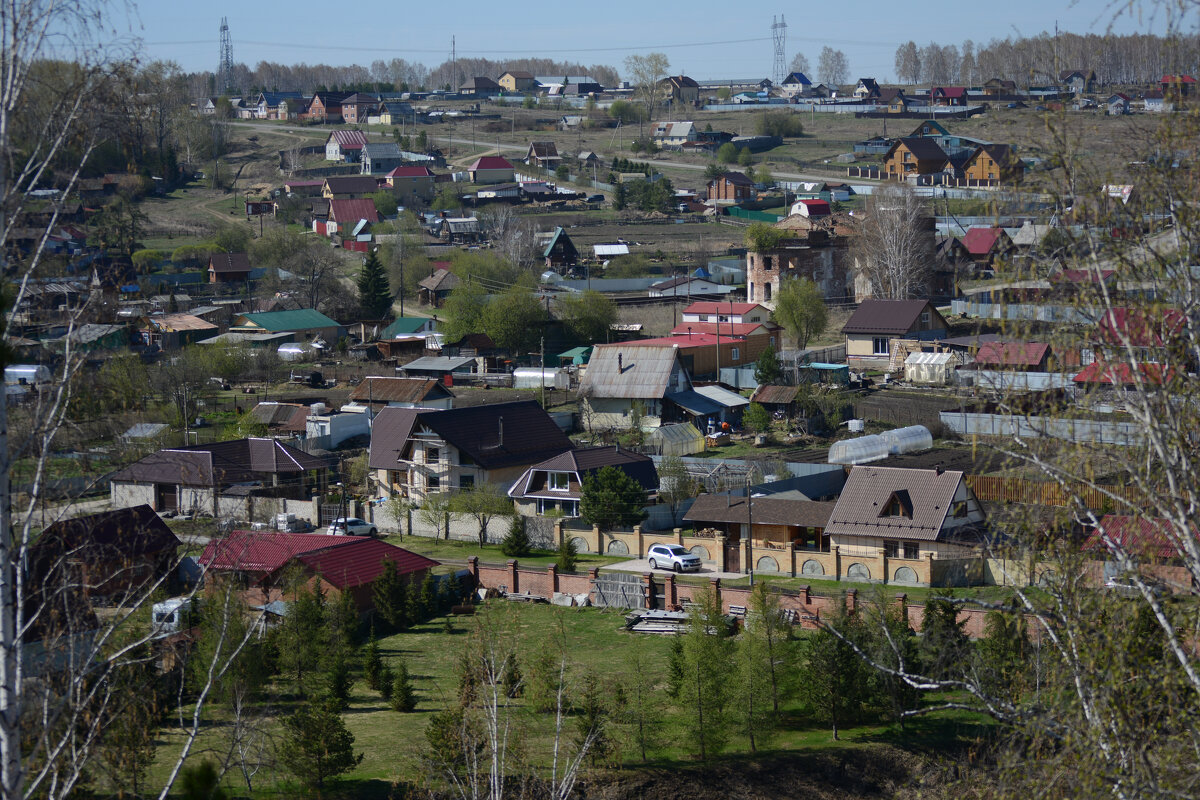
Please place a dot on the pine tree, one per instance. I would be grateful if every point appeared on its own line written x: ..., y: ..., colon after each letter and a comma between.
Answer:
x: 403, y: 698
x: 387, y: 682
x: 374, y: 294
x: 516, y: 542
x: 372, y: 662
x: 390, y: 593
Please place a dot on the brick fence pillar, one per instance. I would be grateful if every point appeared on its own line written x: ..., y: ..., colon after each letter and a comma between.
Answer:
x: 670, y: 600
x: 552, y: 574
x: 593, y: 574
x: 514, y: 576
x: 715, y: 583
x: 473, y: 566
x: 648, y: 588
x: 851, y: 600
x: 678, y: 536
x: 558, y: 532
x: 806, y: 595
x: 641, y: 546
x: 902, y: 604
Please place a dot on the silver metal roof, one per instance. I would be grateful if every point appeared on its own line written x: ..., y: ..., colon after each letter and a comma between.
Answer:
x: 629, y: 371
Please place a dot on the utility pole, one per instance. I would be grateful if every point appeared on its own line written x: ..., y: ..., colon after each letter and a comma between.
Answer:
x: 543, y: 370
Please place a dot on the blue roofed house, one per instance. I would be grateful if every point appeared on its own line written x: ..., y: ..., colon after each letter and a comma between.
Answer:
x: 306, y: 325
x: 408, y: 326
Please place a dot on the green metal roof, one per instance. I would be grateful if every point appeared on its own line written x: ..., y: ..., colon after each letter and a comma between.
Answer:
x: 402, y: 326
x: 299, y: 320
x: 577, y: 355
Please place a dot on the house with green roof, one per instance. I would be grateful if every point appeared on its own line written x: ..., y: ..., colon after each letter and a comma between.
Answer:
x: 408, y: 326
x: 306, y: 323
x: 560, y: 251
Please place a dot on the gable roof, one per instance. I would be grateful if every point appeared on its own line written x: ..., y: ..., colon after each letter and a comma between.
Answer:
x: 223, y: 263
x: 1011, y: 354
x: 924, y: 493
x: 481, y: 83
x: 954, y: 92
x: 343, y: 561
x: 1147, y: 538
x: 300, y: 319
x: 404, y: 325
x: 348, y: 140
x: 714, y: 307
x: 543, y: 150
x: 559, y: 234
x: 122, y: 532
x: 923, y: 148
x: 398, y: 390
x: 761, y: 510
x: 1141, y: 327
x: 442, y: 280
x: 382, y: 150
x: 1123, y: 374
x: 352, y: 210
x: 351, y: 184
x: 519, y: 74
x: 494, y: 436
x: 587, y: 460
x: 410, y: 172
x: 981, y: 241
x: 490, y: 162
x: 797, y: 78
x: 236, y: 461
x: 630, y: 371
x: 737, y: 178
x: 178, y: 322
x: 886, y: 316
x: 281, y: 416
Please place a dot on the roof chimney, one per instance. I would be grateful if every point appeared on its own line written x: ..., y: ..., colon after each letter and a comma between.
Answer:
x: 937, y: 468
x: 620, y: 362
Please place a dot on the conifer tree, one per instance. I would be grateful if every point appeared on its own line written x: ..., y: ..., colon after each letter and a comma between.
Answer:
x: 374, y: 294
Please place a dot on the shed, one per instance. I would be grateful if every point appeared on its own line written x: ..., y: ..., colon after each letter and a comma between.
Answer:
x: 931, y: 368
x: 575, y: 356
x: 680, y: 439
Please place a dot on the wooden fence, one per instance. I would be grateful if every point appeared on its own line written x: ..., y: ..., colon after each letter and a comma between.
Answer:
x: 999, y: 489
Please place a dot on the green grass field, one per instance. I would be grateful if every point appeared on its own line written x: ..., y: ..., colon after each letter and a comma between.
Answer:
x: 394, y: 744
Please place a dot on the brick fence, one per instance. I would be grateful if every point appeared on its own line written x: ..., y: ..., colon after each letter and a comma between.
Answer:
x: 663, y: 592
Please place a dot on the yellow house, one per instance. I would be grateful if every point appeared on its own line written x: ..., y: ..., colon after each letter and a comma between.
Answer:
x: 518, y: 81
x: 875, y: 323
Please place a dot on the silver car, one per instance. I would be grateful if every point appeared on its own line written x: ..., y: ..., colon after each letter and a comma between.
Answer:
x: 352, y: 526
x: 673, y: 556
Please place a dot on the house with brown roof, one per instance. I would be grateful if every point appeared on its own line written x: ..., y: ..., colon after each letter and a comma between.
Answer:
x: 731, y: 187
x: 996, y: 87
x: 357, y: 107
x: 228, y: 268
x: 264, y: 562
x: 679, y: 89
x: 912, y: 157
x: 992, y: 165
x: 416, y: 452
x: 518, y: 81
x: 346, y: 187
x: 325, y: 106
x: 282, y: 420
x: 555, y: 486
x: 919, y: 527
x: 866, y: 89
x: 115, y: 554
x: 480, y: 86
x: 436, y: 288
x: 875, y: 323
x: 1079, y: 81
x: 408, y: 182
x: 543, y: 154
x: 777, y: 534
x: 344, y: 145
x: 173, y: 331
x: 379, y: 392
x: 218, y: 478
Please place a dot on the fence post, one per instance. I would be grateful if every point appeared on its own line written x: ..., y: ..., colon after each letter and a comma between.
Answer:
x: 851, y: 600
x: 837, y: 562
x: 641, y: 549
x: 679, y: 536
x: 473, y: 566
x: 598, y: 539
x: 722, y: 561
x: 715, y: 583
x: 514, y: 576
x: 669, y: 598
x: 558, y: 532
x: 552, y: 573
x: 806, y: 593
x: 902, y: 602
x: 648, y: 589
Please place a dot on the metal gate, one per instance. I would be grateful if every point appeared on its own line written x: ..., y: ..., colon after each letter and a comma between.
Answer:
x: 327, y: 513
x: 618, y: 590
x: 733, y: 558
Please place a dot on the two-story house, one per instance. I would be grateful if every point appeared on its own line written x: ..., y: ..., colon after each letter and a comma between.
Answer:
x: 912, y: 157
x: 380, y: 157
x: 674, y: 134
x: 555, y: 486
x: 344, y: 145
x: 992, y: 165
x: 416, y: 452
x: 731, y: 187
x: 739, y: 313
x: 679, y: 89
x: 875, y: 323
x: 344, y: 187
x: 357, y: 106
x: 409, y: 182
x: 622, y: 375
x: 518, y: 81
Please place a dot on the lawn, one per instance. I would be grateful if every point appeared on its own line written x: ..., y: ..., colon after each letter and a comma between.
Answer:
x: 595, y: 642
x: 457, y: 552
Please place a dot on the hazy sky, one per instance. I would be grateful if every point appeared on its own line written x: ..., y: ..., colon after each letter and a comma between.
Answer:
x: 702, y: 39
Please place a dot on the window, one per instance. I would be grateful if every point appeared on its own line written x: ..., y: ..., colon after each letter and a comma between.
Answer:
x: 394, y: 477
x: 767, y: 262
x: 772, y: 341
x: 433, y: 483
x: 767, y: 292
x: 959, y: 511
x: 466, y: 482
x: 911, y: 550
x: 736, y: 354
x: 891, y: 549
x: 560, y: 481
x: 432, y: 455
x: 879, y: 346
x: 898, y: 505
x: 924, y: 317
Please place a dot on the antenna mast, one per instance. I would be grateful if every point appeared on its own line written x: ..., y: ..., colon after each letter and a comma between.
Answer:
x: 225, y: 65
x: 779, y: 36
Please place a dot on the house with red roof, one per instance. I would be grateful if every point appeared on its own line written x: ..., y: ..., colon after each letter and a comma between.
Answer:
x: 1178, y: 87
x: 984, y: 245
x: 491, y: 169
x: 412, y: 182
x: 1150, y: 335
x: 344, y: 145
x: 948, y: 96
x: 1123, y: 376
x: 348, y: 213
x: 261, y: 560
x: 715, y: 311
x: 1015, y: 356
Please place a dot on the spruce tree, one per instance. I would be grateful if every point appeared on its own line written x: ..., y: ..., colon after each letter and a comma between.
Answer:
x: 372, y: 662
x: 374, y: 294
x: 403, y: 698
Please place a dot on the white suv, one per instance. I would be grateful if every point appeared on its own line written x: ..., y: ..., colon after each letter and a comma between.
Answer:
x: 352, y: 526
x: 673, y: 556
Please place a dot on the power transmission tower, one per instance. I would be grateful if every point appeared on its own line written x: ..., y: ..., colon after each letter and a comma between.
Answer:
x: 225, y: 67
x: 779, y: 36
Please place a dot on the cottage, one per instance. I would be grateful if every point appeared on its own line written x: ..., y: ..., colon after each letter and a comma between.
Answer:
x: 555, y: 486
x: 795, y: 83
x: 325, y: 106
x: 731, y: 187
x: 779, y: 534
x: 543, y: 154
x: 992, y: 165
x: 622, y: 375
x: 560, y: 251
x: 875, y: 323
x: 518, y: 82
x: 408, y: 182
x: 740, y: 313
x: 228, y: 268
x: 1078, y: 81
x: 305, y: 324
x: 866, y: 89
x: 436, y: 288
x: 417, y: 452
x: 380, y: 157
x: 679, y: 89
x: 378, y: 392
x: 348, y: 213
x: 172, y: 331
x: 912, y: 157
x: 491, y: 169
x: 895, y: 525
x: 357, y: 107
x: 948, y: 96
x: 346, y: 187
x: 1117, y: 104
x: 480, y: 86
x: 674, y: 134
x: 344, y: 145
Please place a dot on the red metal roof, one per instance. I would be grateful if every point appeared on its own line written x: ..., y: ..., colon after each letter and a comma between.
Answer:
x: 981, y: 241
x: 1011, y: 354
x: 817, y: 208
x: 1143, y: 537
x: 1178, y: 79
x: 713, y: 307
x: 344, y: 561
x: 727, y: 328
x: 694, y: 340
x: 349, y: 140
x: 491, y: 162
x: 1122, y: 374
x: 411, y: 172
x: 352, y: 210
x: 1142, y: 327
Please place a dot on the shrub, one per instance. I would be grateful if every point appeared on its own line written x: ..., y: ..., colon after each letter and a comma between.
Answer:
x: 516, y: 541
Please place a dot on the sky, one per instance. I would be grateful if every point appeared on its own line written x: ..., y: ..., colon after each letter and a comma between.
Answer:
x: 705, y: 40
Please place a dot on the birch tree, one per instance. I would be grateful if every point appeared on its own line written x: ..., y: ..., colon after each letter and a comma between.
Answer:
x: 893, y: 245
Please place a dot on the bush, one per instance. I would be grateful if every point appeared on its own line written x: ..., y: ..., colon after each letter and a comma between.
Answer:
x: 780, y: 123
x: 516, y: 541
x: 727, y: 153
x: 567, y: 557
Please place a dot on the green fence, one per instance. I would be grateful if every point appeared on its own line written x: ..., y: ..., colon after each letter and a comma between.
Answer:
x: 754, y: 216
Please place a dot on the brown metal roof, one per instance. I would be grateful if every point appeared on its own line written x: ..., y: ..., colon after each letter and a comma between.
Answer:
x: 774, y: 395
x: 220, y: 463
x: 924, y: 494
x: 398, y: 390
x: 922, y: 148
x: 585, y: 461
x: 229, y: 262
x: 761, y: 510
x: 352, y: 184
x: 895, y: 317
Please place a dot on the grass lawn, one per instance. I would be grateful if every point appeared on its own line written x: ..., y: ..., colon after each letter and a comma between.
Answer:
x: 595, y: 641
x: 458, y: 551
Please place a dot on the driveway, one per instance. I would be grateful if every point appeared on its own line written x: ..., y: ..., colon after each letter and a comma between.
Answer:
x: 642, y: 565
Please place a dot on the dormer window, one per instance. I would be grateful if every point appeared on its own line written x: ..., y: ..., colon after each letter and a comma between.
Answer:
x: 559, y: 481
x: 898, y: 505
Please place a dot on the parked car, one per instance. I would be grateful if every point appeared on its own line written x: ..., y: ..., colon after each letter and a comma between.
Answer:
x: 673, y: 556
x: 352, y: 526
